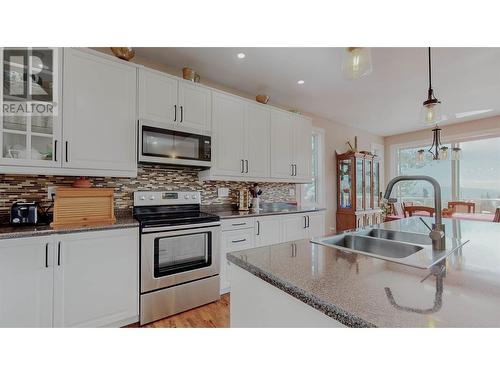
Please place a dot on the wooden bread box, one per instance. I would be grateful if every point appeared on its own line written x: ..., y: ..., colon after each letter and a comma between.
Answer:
x: 83, y: 207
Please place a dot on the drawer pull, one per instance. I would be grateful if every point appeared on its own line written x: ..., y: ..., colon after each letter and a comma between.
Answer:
x: 236, y: 241
x: 46, y: 255
x: 237, y: 224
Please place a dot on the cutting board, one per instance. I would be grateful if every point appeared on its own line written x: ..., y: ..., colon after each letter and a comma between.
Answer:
x: 82, y: 207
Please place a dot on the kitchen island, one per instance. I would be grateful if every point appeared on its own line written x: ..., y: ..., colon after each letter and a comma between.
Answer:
x: 301, y: 284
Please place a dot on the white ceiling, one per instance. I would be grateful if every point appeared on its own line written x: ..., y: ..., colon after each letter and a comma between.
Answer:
x: 386, y: 102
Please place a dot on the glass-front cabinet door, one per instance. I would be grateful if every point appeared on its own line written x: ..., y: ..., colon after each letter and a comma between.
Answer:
x: 30, y: 130
x: 376, y: 183
x: 345, y: 184
x: 359, y: 184
x: 368, y: 184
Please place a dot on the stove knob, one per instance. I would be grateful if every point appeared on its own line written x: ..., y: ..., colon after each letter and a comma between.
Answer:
x: 186, y: 196
x: 193, y: 196
x: 143, y: 198
x: 152, y: 198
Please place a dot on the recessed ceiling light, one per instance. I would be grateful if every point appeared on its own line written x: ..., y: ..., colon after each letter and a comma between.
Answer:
x: 300, y: 82
x: 241, y: 55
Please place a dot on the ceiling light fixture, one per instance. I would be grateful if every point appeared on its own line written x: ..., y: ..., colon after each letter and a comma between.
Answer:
x: 356, y: 62
x: 431, y: 110
x: 438, y: 150
x: 241, y: 55
x: 300, y: 82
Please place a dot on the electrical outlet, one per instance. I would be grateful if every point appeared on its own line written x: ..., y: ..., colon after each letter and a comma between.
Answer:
x: 223, y: 192
x: 51, y: 190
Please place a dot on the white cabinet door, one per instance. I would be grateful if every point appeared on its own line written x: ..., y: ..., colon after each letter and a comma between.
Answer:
x: 228, y: 134
x: 96, y: 278
x: 195, y: 108
x: 26, y: 276
x: 316, y: 224
x: 257, y: 140
x: 233, y: 240
x: 302, y: 147
x: 267, y: 230
x: 281, y: 145
x: 158, y: 97
x: 294, y: 227
x: 99, y: 113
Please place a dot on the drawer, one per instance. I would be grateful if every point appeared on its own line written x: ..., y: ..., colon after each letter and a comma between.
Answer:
x: 241, y: 223
x: 240, y: 239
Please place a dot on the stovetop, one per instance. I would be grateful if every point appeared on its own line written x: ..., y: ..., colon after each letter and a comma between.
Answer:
x: 172, y: 215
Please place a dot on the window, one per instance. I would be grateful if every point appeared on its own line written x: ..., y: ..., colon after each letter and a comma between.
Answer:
x: 479, y: 174
x: 474, y: 178
x: 312, y: 194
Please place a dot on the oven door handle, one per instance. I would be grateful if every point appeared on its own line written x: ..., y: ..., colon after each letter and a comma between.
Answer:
x: 180, y: 227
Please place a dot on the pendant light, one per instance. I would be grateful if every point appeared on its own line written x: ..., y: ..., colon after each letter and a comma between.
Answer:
x: 431, y: 110
x: 356, y: 62
x: 456, y: 153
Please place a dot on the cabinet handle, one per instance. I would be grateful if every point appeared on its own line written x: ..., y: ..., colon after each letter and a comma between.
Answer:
x: 66, y: 151
x: 295, y: 169
x: 246, y: 164
x: 55, y: 150
x: 305, y: 222
x: 175, y: 112
x: 182, y: 112
x: 258, y: 228
x: 242, y: 166
x: 47, y: 255
x: 294, y: 250
x: 236, y: 241
x: 308, y: 221
x: 236, y: 224
x: 291, y: 173
x: 59, y: 253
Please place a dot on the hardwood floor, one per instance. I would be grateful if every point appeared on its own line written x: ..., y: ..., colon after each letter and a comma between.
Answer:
x: 212, y: 315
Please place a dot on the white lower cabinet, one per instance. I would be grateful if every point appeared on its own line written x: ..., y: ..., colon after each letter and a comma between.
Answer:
x: 26, y: 282
x: 245, y: 233
x: 233, y: 240
x: 96, y: 278
x: 267, y: 230
x: 87, y: 279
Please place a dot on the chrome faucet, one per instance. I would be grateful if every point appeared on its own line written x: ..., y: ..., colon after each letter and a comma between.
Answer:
x: 437, y: 233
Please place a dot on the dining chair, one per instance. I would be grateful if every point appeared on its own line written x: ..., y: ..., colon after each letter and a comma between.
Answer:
x: 410, y: 210
x: 496, y: 219
x: 463, y: 207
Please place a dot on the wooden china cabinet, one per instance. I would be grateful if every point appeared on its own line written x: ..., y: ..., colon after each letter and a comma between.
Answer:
x: 358, y: 190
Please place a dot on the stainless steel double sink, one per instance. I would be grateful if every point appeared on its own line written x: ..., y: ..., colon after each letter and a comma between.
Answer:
x: 408, y: 248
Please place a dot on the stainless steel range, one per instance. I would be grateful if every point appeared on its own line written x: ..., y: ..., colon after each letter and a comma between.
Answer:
x: 179, y: 253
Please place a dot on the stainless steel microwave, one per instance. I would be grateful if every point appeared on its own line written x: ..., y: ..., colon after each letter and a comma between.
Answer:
x: 173, y: 146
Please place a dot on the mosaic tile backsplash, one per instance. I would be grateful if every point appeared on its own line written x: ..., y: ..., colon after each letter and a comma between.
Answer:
x: 34, y: 188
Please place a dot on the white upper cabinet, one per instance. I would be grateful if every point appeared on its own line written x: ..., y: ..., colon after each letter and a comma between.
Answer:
x: 302, y: 147
x: 228, y: 135
x: 195, y: 107
x: 282, y: 144
x: 99, y: 113
x: 173, y: 102
x: 32, y: 140
x: 257, y: 140
x: 158, y: 97
x: 291, y: 153
x: 26, y: 279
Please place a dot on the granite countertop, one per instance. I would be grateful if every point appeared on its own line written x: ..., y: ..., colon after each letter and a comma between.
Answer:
x: 361, y: 291
x: 124, y: 219
x: 231, y: 212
